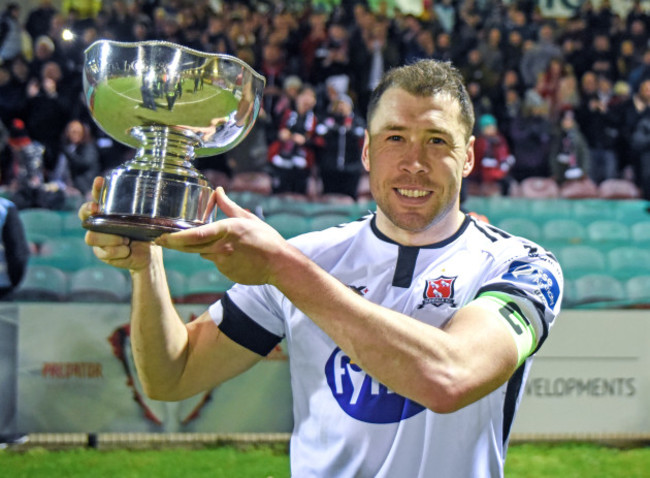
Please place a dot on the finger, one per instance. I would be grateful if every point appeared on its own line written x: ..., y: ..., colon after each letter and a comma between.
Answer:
x: 87, y: 209
x: 101, y: 239
x: 192, y: 237
x: 98, y: 183
x: 229, y: 207
x: 113, y: 253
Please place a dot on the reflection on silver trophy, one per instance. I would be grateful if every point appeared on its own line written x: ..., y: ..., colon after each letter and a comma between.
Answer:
x: 173, y: 104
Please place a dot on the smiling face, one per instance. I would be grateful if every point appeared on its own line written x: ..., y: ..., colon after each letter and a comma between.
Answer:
x: 417, y: 152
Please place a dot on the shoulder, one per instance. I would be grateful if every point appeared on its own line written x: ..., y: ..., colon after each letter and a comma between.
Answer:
x: 323, y: 242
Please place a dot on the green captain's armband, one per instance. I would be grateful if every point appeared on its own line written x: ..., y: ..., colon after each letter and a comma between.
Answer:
x: 518, y: 325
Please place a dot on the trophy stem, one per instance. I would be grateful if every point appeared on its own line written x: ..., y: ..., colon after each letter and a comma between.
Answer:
x: 165, y: 147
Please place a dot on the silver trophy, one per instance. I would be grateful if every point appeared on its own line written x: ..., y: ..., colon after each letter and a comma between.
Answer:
x: 173, y: 104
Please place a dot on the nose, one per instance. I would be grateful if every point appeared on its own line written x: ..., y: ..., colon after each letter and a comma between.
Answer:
x: 414, y: 160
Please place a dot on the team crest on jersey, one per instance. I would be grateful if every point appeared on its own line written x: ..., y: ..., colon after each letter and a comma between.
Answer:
x: 438, y: 292
x: 361, y: 396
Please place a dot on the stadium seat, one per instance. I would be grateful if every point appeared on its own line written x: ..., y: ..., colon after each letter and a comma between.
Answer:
x: 69, y: 254
x: 598, y: 288
x: 500, y: 207
x: 247, y: 199
x: 562, y: 232
x: 579, y: 189
x: 626, y: 262
x: 608, y: 232
x: 207, y: 286
x: 519, y: 226
x: 539, y: 188
x: 543, y: 210
x: 588, y: 210
x: 640, y: 232
x: 71, y: 225
x: 43, y: 284
x: 99, y: 284
x: 41, y: 224
x: 184, y: 262
x: 325, y: 220
x: 578, y: 261
x: 477, y: 204
x: 618, y: 189
x: 289, y: 224
x: 638, y: 291
x: 632, y: 211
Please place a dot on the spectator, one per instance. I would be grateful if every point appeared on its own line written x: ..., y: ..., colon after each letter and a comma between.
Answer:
x: 333, y: 57
x: 11, y: 38
x: 641, y: 72
x: 339, y: 158
x: 445, y: 11
x: 375, y: 55
x: 492, y: 51
x: 47, y: 111
x: 39, y: 18
x: 275, y: 70
x: 287, y: 101
x: 14, y: 249
x: 626, y: 60
x: 78, y: 162
x: 292, y: 155
x: 569, y: 152
x: 536, y: 58
x: 312, y: 40
x: 481, y: 103
x: 602, y: 59
x: 12, y: 96
x: 597, y: 123
x: 635, y: 127
x: 531, y: 135
x: 493, y: 159
x: 26, y: 178
x: 513, y: 51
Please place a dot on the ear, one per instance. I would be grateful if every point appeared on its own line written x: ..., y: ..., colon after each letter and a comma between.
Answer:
x: 469, y: 157
x: 365, y: 160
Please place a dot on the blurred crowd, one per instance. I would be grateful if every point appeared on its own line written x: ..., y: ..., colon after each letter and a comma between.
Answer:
x: 565, y: 99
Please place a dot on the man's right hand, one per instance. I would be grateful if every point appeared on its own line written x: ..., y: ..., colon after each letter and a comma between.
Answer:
x: 115, y: 250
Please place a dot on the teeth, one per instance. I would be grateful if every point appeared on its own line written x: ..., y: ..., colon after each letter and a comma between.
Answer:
x: 412, y: 193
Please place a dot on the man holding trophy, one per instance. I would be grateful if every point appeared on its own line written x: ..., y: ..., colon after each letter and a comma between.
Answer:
x: 409, y: 331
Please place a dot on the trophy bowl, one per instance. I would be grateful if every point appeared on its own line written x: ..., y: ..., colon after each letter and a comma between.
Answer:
x: 173, y: 104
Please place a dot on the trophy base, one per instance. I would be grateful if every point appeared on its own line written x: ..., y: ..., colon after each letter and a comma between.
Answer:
x: 138, y: 228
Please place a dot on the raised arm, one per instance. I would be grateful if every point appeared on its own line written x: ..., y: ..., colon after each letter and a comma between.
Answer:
x: 174, y: 360
x: 443, y: 370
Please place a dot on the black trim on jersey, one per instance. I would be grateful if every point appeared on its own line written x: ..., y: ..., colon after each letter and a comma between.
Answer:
x: 240, y: 328
x: 380, y: 235
x: 510, y: 404
x: 483, y: 228
x: 406, y: 260
x: 512, y: 290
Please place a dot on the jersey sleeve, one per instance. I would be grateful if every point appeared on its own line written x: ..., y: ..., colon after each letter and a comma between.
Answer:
x: 251, y: 316
x: 526, y: 288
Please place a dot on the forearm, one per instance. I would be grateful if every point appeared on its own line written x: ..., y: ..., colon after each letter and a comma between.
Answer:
x: 159, y: 337
x: 410, y: 357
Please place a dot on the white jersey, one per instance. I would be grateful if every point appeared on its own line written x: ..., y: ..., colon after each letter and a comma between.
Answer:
x: 346, y: 424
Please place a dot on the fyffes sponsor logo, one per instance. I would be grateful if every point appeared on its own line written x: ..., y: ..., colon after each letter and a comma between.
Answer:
x: 361, y: 396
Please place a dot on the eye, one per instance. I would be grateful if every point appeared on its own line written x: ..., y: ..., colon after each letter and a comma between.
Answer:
x: 394, y: 137
x: 438, y: 140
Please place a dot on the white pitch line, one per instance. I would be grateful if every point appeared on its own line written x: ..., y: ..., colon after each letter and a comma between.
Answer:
x: 138, y: 99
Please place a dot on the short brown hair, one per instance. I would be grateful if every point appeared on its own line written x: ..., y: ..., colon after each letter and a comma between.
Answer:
x: 427, y: 78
